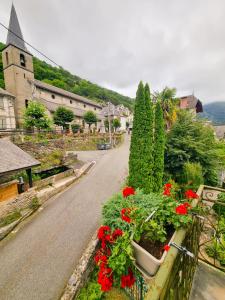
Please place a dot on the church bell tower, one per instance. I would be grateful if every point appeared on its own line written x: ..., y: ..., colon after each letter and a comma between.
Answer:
x: 18, y: 67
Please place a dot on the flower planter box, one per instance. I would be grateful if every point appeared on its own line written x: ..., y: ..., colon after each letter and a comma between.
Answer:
x: 146, y: 261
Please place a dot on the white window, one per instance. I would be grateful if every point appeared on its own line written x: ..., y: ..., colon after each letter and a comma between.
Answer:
x: 2, y: 123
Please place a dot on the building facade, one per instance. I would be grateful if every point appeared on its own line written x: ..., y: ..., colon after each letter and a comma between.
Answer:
x: 7, y: 112
x: 22, y: 85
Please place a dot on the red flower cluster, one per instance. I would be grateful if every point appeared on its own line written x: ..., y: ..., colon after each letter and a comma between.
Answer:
x: 105, y: 278
x: 167, y: 189
x: 105, y: 275
x: 166, y: 248
x: 116, y: 233
x: 181, y: 209
x: 125, y: 214
x: 127, y: 191
x: 189, y: 194
x: 127, y: 280
x: 104, y: 235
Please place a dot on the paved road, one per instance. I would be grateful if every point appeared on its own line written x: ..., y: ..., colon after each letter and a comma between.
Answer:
x: 38, y: 260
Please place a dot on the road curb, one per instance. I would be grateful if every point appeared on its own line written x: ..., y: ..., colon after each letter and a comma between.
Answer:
x: 81, y: 271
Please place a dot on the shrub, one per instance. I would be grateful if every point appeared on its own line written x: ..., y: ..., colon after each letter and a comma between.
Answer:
x: 75, y: 128
x: 34, y: 205
x: 192, y: 175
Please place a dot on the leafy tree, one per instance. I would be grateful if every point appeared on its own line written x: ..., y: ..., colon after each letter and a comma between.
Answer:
x: 190, y: 140
x: 140, y: 160
x: 35, y: 116
x: 169, y: 105
x: 116, y: 124
x: 159, y: 147
x: 63, y: 116
x: 90, y: 118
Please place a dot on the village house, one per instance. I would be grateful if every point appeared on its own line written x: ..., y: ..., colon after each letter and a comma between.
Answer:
x: 7, y: 112
x: 120, y: 112
x: 191, y: 103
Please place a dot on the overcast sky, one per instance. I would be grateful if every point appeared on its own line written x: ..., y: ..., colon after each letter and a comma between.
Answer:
x: 117, y: 43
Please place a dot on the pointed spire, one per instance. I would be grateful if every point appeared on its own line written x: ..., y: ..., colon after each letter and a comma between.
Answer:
x: 14, y: 27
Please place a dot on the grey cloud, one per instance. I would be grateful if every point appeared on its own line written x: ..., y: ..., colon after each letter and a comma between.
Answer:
x: 117, y: 43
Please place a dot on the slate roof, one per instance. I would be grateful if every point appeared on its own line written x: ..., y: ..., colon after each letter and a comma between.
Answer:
x: 52, y: 106
x: 12, y: 158
x: 5, y: 93
x: 191, y: 102
x: 15, y: 36
x: 56, y: 90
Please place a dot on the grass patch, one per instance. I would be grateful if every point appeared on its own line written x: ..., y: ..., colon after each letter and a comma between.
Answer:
x: 10, y: 218
x: 34, y: 205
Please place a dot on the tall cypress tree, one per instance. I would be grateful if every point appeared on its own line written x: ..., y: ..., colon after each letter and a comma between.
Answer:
x: 159, y: 148
x: 141, y: 159
x: 148, y: 149
x: 137, y: 140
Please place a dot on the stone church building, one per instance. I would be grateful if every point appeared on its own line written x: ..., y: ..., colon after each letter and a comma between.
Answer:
x: 21, y: 86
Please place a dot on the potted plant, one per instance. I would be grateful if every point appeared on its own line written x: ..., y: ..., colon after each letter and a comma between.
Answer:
x: 152, y: 236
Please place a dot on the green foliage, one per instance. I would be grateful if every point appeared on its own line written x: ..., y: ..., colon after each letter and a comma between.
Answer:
x: 92, y: 290
x: 63, y: 116
x: 159, y: 148
x: 35, y: 116
x: 219, y: 208
x: 75, y: 128
x: 141, y: 160
x: 90, y: 118
x: 34, y: 205
x: 10, y: 218
x: 116, y: 124
x: 189, y: 140
x: 145, y: 203
x: 217, y: 251
x: 121, y: 256
x: 192, y: 175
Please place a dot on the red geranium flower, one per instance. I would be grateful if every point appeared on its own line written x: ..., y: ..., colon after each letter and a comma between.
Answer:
x: 166, y: 248
x: 105, y: 278
x: 127, y: 280
x: 167, y: 192
x: 117, y: 233
x: 189, y: 194
x: 168, y: 186
x: 125, y: 215
x: 181, y: 209
x: 102, y: 232
x: 127, y: 191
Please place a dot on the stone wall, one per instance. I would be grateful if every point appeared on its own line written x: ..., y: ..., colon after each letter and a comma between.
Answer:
x: 22, y: 201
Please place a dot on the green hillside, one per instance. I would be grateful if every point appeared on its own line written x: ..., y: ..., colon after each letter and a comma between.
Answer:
x: 65, y: 80
x: 214, y: 112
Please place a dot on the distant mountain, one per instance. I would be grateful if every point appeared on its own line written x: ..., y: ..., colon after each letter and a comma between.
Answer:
x: 214, y: 112
x: 72, y: 83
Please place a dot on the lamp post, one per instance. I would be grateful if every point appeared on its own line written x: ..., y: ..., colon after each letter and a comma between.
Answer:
x: 110, y: 132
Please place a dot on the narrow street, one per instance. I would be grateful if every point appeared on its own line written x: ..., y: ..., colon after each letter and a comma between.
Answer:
x: 38, y: 260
